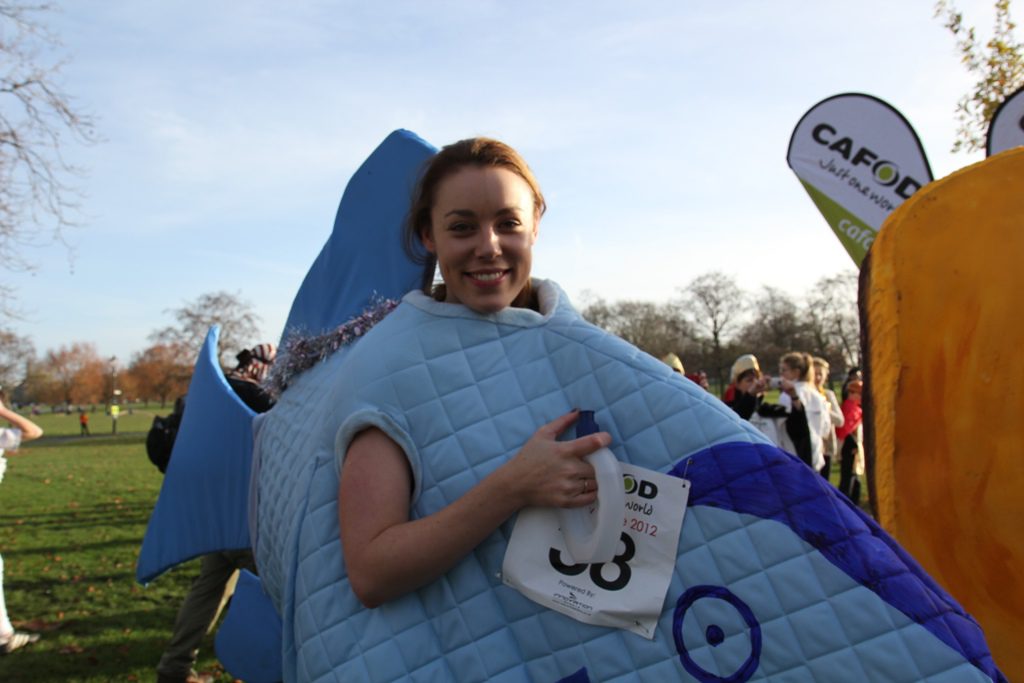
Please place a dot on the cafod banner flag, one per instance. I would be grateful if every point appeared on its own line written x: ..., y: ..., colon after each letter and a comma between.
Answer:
x: 858, y: 159
x: 1006, y: 130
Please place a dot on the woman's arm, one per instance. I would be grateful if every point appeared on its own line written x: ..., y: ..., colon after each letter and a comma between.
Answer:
x: 789, y: 402
x: 387, y: 555
x: 743, y: 404
x: 834, y: 409
x: 29, y: 429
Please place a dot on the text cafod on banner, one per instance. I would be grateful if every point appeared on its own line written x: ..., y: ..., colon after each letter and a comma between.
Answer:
x: 858, y: 159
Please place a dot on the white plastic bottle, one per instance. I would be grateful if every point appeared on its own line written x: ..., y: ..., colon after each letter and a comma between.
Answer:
x: 592, y: 533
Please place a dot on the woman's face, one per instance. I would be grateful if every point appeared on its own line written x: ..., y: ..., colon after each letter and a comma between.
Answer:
x: 482, y: 228
x: 786, y: 372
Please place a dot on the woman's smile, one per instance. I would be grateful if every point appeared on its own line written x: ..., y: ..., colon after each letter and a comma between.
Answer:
x: 488, y: 278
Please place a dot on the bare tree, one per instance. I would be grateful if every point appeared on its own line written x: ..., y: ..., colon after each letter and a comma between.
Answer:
x: 714, y: 305
x: 777, y: 326
x: 238, y: 325
x: 16, y: 353
x: 36, y: 119
x: 37, y: 384
x: 654, y: 328
x: 596, y: 310
x: 833, y: 318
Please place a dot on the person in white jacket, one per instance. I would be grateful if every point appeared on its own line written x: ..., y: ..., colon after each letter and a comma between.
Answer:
x: 832, y: 417
x: 800, y: 397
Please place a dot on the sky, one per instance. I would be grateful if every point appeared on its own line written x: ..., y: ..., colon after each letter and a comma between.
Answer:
x: 658, y: 131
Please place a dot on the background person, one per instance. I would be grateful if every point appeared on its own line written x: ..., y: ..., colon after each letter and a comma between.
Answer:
x: 854, y: 375
x: 248, y: 375
x: 832, y: 415
x: 700, y: 378
x: 673, y: 361
x: 217, y: 571
x: 745, y: 392
x: 21, y: 429
x: 851, y: 434
x: 746, y: 396
x: 803, y: 406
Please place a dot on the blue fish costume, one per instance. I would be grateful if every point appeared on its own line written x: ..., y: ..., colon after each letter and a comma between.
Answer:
x: 777, y: 576
x: 794, y: 580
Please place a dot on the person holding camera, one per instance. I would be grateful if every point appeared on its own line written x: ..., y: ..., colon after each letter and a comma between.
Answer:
x: 745, y: 392
x: 21, y: 429
x: 804, y: 407
x: 786, y: 423
x: 217, y: 570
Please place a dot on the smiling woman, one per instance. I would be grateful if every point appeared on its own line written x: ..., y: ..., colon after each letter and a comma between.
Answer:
x: 476, y: 215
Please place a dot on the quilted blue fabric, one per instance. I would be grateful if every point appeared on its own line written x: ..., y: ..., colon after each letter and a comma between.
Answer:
x: 207, y: 477
x: 364, y: 255
x: 248, y: 640
x: 758, y: 591
x: 203, y: 501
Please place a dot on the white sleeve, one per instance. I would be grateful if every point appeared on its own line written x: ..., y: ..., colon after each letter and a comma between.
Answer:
x: 10, y: 439
x: 836, y: 411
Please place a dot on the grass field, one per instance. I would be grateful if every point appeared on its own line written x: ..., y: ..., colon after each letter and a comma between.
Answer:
x: 73, y: 511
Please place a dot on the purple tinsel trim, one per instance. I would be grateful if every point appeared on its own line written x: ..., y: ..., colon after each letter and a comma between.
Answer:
x: 301, y: 352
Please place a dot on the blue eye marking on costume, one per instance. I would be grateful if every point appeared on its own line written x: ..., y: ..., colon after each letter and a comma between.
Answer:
x: 580, y: 676
x: 759, y: 480
x: 715, y: 635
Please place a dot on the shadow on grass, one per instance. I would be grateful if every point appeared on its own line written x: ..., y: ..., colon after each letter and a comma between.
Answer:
x: 75, y: 520
x: 74, y: 514
x: 73, y: 548
x: 103, y: 648
x: 75, y: 441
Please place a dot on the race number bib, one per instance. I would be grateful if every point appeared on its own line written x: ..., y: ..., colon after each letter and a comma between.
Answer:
x: 629, y: 591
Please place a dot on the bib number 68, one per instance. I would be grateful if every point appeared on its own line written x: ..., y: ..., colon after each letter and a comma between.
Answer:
x: 620, y: 561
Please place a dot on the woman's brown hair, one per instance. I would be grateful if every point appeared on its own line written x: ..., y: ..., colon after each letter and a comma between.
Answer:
x: 480, y: 152
x: 801, y: 362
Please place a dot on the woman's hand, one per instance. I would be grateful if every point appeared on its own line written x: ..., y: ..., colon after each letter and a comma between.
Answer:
x: 552, y: 473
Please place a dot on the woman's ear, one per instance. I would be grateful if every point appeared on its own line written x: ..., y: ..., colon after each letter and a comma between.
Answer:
x: 428, y: 243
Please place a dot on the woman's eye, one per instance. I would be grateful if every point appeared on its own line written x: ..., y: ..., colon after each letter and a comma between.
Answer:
x: 510, y: 224
x: 460, y: 227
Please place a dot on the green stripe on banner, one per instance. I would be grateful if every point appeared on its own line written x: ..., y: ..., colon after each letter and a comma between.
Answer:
x: 854, y: 233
